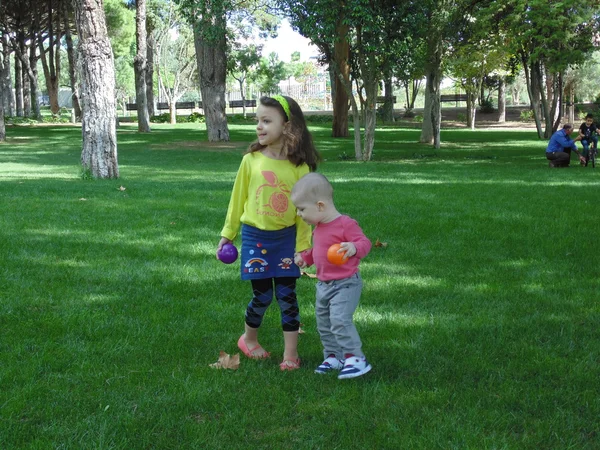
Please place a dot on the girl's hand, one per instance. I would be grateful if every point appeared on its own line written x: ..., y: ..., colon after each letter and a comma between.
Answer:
x: 222, y: 242
x: 349, y: 248
x: 299, y: 261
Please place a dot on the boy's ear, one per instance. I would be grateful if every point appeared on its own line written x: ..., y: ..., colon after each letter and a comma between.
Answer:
x: 320, y: 205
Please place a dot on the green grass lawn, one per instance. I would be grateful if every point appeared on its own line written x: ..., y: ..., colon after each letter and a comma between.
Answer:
x: 480, y: 317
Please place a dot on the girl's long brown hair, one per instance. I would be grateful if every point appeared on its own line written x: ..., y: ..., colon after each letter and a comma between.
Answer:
x: 297, y: 140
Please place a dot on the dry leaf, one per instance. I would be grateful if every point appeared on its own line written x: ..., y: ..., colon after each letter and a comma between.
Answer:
x: 83, y: 199
x: 122, y: 188
x: 226, y: 361
x: 309, y: 275
x: 300, y: 330
x: 378, y: 243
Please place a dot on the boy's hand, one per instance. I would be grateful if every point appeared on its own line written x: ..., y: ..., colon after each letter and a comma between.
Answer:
x: 349, y: 248
x: 299, y: 261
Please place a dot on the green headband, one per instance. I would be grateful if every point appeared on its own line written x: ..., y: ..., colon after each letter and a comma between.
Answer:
x: 284, y: 104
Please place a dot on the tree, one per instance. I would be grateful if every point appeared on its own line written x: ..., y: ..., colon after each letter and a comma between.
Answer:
x: 369, y: 32
x: 2, y: 87
x: 209, y: 19
x: 99, y: 153
x: 175, y: 59
x: 50, y: 20
x: 324, y: 23
x: 478, y: 53
x: 141, y: 67
x: 548, y: 41
x: 269, y: 73
x: 242, y: 60
x: 5, y: 80
x: 67, y: 23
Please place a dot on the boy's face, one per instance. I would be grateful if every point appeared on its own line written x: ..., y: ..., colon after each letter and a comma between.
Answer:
x: 309, y: 211
x: 589, y: 121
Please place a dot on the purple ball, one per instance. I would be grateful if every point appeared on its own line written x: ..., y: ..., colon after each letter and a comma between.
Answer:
x: 228, y: 253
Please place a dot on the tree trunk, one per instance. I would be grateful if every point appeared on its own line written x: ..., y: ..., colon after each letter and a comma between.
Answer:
x: 371, y: 88
x: 341, y: 55
x: 416, y: 85
x: 173, y: 112
x: 432, y: 114
x: 27, y: 94
x: 471, y: 109
x: 212, y: 69
x: 2, y: 89
x: 2, y: 124
x: 388, y: 105
x: 531, y: 80
x: 99, y: 154
x: 150, y: 75
x: 19, y: 81
x: 7, y: 99
x: 151, y: 43
x: 51, y: 63
x: 72, y: 64
x: 571, y: 103
x: 502, y: 100
x: 141, y: 67
x: 31, y: 67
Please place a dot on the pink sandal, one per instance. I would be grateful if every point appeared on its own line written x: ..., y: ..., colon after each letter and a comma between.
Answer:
x: 250, y: 352
x: 290, y: 364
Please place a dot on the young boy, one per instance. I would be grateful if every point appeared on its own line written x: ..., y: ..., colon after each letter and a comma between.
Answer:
x: 339, y: 286
x: 588, y: 133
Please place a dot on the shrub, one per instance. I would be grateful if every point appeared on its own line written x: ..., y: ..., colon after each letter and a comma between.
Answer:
x: 526, y: 115
x: 196, y: 117
x: 419, y: 118
x: 461, y: 117
x: 409, y: 113
x: 487, y: 106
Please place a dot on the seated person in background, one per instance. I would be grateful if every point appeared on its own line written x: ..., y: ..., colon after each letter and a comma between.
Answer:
x: 560, y: 146
x: 589, y: 135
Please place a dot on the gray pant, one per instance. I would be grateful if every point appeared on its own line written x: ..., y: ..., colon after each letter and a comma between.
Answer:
x: 336, y: 302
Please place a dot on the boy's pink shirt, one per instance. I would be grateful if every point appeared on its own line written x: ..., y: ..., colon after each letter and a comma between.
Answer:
x: 341, y: 229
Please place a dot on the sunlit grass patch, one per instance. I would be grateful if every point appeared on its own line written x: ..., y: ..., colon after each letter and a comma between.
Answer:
x: 479, y: 314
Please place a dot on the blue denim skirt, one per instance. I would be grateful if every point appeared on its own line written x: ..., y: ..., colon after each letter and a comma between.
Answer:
x: 268, y: 254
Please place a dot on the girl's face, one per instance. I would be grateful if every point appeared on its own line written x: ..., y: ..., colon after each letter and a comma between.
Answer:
x: 270, y: 125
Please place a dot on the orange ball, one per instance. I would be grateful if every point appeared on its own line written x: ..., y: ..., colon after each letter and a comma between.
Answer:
x: 334, y: 257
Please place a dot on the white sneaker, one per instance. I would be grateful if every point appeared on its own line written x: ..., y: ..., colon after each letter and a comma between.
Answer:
x: 330, y: 363
x: 354, y: 367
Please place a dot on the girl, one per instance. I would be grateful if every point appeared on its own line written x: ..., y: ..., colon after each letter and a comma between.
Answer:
x: 271, y: 230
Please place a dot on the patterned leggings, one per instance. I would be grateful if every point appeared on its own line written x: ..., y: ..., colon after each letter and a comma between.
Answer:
x: 285, y: 292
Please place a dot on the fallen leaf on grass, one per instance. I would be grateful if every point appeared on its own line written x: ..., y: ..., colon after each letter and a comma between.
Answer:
x: 378, y: 243
x: 226, y: 361
x: 300, y: 330
x: 309, y: 275
x: 122, y: 188
x: 83, y: 199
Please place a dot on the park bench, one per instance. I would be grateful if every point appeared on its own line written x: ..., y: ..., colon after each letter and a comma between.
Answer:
x: 453, y: 98
x: 241, y: 103
x: 165, y: 105
x: 178, y: 105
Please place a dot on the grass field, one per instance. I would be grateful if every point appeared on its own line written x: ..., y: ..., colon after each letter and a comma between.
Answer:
x: 480, y: 317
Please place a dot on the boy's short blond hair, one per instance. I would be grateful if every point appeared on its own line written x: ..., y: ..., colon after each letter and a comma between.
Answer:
x: 313, y: 187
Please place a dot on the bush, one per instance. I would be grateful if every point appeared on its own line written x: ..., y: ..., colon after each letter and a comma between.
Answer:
x: 487, y: 106
x: 320, y: 118
x: 461, y: 117
x: 161, y: 118
x: 419, y: 118
x: 526, y: 115
x: 196, y: 117
x: 409, y: 113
